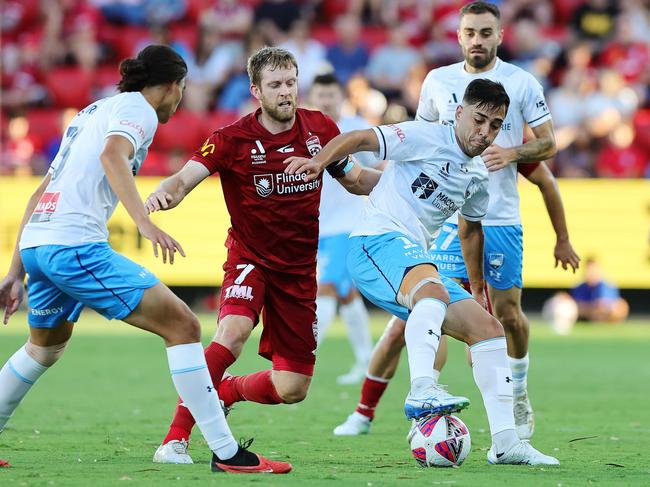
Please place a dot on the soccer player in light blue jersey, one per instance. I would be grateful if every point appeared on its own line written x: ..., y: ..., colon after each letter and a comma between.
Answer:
x: 435, y: 170
x: 63, y: 248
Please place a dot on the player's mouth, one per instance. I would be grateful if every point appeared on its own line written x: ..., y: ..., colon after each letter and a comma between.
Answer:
x: 477, y: 51
x: 285, y: 104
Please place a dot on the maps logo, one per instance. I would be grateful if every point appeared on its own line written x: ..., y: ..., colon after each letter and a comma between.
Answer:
x: 313, y: 145
x: 263, y: 184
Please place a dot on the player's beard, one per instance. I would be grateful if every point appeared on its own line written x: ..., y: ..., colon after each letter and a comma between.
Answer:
x: 482, y: 60
x: 274, y: 111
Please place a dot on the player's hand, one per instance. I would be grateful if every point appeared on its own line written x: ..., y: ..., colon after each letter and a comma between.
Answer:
x: 159, y: 201
x: 480, y: 297
x: 11, y: 295
x: 565, y: 255
x: 168, y: 246
x: 300, y: 165
x: 496, y: 157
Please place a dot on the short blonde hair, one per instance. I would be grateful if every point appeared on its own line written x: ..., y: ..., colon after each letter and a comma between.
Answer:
x: 271, y: 57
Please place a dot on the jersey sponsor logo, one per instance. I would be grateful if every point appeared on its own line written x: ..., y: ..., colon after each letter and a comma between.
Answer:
x: 258, y: 154
x: 398, y: 131
x: 283, y: 184
x: 313, y: 145
x: 263, y: 184
x: 47, y: 312
x: 445, y: 204
x: 207, y: 148
x: 423, y: 186
x: 444, y: 170
x: 239, y: 292
x: 541, y: 104
x: 45, y: 207
x: 135, y: 126
x: 286, y: 149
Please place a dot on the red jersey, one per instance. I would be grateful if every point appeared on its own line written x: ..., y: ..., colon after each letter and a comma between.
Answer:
x: 273, y: 215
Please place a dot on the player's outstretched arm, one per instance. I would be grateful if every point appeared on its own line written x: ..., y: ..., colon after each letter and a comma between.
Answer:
x: 540, y: 148
x: 115, y: 161
x: 470, y: 234
x: 360, y: 179
x: 564, y: 254
x: 175, y: 188
x: 11, y: 287
x: 335, y: 150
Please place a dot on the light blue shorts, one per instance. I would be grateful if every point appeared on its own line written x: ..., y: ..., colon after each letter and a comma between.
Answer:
x: 64, y: 279
x: 332, y: 254
x: 503, y: 254
x: 378, y: 264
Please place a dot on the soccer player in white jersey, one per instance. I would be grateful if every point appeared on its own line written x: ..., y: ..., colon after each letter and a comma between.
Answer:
x: 335, y: 286
x: 435, y: 170
x: 63, y: 247
x: 479, y: 35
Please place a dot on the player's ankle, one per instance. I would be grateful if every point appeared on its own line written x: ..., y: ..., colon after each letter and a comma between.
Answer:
x: 243, y: 458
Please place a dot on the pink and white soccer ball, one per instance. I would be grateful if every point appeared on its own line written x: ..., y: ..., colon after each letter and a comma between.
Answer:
x: 439, y: 441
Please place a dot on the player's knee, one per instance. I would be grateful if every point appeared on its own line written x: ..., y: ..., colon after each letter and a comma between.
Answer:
x: 292, y: 393
x: 233, y: 333
x: 509, y: 315
x: 493, y: 328
x: 431, y: 290
x: 46, y: 356
x: 185, y: 326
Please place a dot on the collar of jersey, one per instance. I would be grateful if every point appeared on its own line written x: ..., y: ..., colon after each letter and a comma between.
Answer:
x: 496, y: 66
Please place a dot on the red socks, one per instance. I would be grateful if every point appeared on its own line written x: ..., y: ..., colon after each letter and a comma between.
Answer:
x: 371, y: 393
x: 218, y: 358
x: 256, y: 387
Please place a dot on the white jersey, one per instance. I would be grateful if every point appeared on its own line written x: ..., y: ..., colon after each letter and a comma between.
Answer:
x: 442, y: 91
x: 78, y: 201
x: 339, y: 209
x: 428, y: 179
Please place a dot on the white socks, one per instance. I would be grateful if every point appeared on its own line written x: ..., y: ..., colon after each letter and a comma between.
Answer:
x: 325, y: 313
x: 422, y: 334
x: 194, y: 385
x: 519, y: 367
x: 355, y: 316
x: 16, y: 378
x: 493, y: 378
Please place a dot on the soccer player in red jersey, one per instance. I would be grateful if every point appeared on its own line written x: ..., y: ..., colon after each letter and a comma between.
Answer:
x: 270, y: 271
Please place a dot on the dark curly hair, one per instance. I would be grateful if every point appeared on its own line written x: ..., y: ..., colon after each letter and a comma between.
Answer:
x: 154, y: 65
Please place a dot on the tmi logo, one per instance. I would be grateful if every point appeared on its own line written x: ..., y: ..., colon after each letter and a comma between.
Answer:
x: 240, y: 292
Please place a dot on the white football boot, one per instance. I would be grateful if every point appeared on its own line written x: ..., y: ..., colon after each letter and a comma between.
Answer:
x: 173, y: 452
x: 521, y: 453
x: 355, y: 424
x: 524, y: 417
x: 433, y: 399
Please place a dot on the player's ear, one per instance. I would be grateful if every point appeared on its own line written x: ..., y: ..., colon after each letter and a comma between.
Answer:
x: 459, y: 111
x: 500, y: 36
x: 255, y: 91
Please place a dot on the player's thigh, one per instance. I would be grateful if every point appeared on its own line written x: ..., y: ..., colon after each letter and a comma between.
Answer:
x: 243, y: 293
x: 447, y: 253
x: 506, y: 303
x: 503, y: 256
x: 48, y: 337
x: 161, y: 312
x: 378, y: 264
x: 332, y: 269
x: 290, y: 327
x: 49, y: 306
x: 468, y: 321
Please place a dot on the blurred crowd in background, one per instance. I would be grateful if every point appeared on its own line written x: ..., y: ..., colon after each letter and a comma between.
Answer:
x: 591, y: 56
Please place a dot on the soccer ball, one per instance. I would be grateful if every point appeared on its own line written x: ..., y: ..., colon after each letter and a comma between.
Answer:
x: 439, y: 441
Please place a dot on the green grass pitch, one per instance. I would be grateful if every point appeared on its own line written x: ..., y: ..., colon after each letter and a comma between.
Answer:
x: 96, y: 418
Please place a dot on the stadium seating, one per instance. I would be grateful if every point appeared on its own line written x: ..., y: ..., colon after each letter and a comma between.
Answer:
x: 69, y: 87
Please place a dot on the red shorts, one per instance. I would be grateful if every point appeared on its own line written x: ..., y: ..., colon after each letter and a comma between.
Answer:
x: 287, y: 305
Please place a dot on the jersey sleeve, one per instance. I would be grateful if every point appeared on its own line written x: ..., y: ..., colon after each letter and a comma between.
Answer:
x: 214, y: 154
x: 427, y: 110
x: 534, y: 108
x: 136, y: 122
x: 475, y: 207
x: 406, y: 141
x: 527, y: 169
